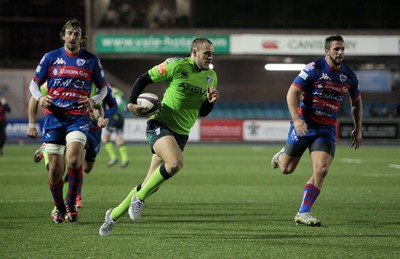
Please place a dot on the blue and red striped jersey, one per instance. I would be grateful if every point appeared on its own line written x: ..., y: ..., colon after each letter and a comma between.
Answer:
x: 69, y: 78
x: 324, y: 89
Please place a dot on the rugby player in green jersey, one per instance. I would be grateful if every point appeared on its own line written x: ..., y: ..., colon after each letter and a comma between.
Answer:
x: 190, y: 92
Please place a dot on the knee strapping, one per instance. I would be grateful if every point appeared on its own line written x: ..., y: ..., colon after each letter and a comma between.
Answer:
x: 76, y: 136
x: 55, y: 149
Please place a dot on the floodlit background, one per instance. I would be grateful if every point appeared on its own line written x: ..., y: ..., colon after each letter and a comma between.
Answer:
x: 248, y: 36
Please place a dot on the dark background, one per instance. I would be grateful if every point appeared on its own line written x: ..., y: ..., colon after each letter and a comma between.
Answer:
x: 30, y: 28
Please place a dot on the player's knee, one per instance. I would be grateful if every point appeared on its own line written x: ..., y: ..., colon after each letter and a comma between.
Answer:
x: 174, y: 166
x: 54, y: 178
x: 322, y: 172
x: 287, y: 169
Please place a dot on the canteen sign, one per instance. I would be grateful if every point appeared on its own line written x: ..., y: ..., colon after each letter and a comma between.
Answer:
x: 154, y: 44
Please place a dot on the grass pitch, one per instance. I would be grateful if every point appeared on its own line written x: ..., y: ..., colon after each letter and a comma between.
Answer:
x: 226, y: 203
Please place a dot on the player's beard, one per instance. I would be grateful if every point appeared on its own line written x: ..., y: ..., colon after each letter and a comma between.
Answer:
x: 72, y: 47
x: 336, y: 61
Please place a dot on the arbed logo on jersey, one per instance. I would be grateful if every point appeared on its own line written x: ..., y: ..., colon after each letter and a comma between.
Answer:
x: 59, y: 61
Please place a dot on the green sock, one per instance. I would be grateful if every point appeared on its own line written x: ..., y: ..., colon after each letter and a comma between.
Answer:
x: 152, y: 184
x: 45, y: 158
x: 118, y: 211
x: 110, y: 150
x: 123, y: 151
x: 65, y: 190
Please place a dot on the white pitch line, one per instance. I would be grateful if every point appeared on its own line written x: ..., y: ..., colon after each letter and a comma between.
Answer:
x: 395, y: 166
x: 351, y: 161
x: 380, y: 175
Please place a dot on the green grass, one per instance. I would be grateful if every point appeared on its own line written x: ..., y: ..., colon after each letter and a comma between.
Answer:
x: 225, y: 203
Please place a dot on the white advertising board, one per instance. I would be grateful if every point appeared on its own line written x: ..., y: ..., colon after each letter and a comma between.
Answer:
x: 301, y: 44
x: 265, y: 130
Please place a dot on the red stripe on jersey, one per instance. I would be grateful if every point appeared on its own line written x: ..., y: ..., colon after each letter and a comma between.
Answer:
x: 317, y: 119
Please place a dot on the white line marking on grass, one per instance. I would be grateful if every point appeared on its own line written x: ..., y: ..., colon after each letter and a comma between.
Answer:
x: 257, y: 148
x: 17, y: 174
x: 351, y: 161
x: 395, y: 166
x: 22, y: 201
x: 381, y: 175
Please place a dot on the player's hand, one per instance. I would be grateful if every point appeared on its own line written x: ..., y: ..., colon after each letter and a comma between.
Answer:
x: 31, y: 133
x: 86, y: 103
x: 356, y: 138
x: 45, y: 101
x: 101, y: 122
x: 135, y: 109
x: 212, y: 94
x: 300, y: 126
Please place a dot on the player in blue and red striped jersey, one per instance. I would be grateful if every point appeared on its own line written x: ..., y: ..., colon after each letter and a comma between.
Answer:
x: 314, y: 101
x: 69, y: 72
x: 93, y: 143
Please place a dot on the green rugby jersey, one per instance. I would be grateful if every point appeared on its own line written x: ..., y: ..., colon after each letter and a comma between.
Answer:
x: 185, y: 92
x: 119, y: 97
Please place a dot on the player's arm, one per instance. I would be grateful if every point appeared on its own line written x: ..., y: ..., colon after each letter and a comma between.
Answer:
x: 208, y: 105
x: 32, y: 113
x: 98, y: 114
x: 90, y: 102
x: 111, y: 103
x: 293, y: 99
x: 136, y: 90
x: 100, y: 84
x: 43, y: 100
x: 356, y: 113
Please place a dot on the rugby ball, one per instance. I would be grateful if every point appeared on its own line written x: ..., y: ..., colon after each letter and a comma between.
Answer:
x: 150, y: 102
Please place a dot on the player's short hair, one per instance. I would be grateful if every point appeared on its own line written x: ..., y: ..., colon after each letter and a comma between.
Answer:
x: 329, y: 40
x: 73, y: 23
x: 198, y: 42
